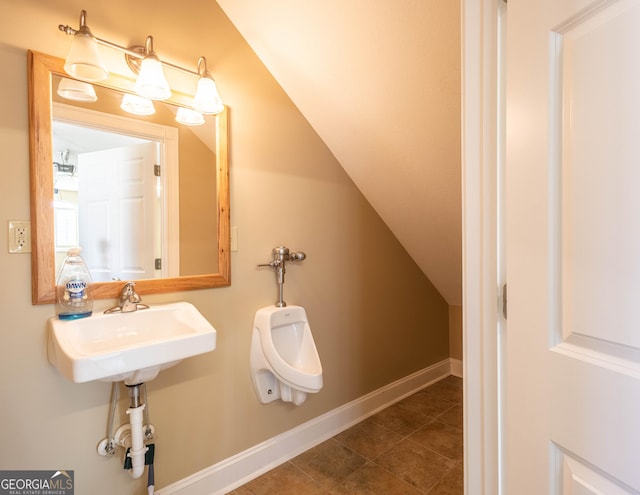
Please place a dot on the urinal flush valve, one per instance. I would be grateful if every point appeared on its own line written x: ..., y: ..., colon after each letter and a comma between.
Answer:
x: 281, y: 255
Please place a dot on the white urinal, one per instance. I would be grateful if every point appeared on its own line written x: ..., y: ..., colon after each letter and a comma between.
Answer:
x: 284, y: 359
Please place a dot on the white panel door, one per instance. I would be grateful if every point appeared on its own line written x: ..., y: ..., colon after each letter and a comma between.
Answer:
x: 572, y: 358
x: 117, y: 197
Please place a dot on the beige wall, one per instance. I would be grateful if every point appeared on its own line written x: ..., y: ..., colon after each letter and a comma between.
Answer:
x: 455, y: 332
x: 374, y: 315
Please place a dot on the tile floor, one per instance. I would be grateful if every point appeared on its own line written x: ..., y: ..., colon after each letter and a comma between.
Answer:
x: 413, y: 447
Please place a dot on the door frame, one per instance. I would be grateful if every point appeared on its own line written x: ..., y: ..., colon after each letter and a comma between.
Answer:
x: 479, y: 28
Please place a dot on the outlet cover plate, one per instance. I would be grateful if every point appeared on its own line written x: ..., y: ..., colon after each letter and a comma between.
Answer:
x: 19, y: 236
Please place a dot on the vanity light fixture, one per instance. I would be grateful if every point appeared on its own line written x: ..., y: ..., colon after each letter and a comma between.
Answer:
x: 83, y: 62
x: 151, y: 82
x: 207, y: 99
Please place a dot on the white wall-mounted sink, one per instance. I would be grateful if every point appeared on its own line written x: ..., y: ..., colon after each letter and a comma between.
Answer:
x: 131, y: 347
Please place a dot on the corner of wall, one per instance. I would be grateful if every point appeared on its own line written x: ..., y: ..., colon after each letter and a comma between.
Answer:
x: 455, y: 332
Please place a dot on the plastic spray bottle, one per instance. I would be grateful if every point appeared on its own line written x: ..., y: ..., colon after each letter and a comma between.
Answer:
x: 74, y: 288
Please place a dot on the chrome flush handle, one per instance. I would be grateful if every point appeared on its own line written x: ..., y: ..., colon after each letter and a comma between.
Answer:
x: 281, y: 255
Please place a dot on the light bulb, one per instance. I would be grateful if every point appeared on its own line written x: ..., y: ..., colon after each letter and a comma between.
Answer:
x: 83, y: 61
x: 151, y: 82
x: 207, y: 99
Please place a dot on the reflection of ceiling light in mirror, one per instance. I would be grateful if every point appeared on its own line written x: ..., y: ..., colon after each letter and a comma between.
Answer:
x: 83, y: 61
x: 71, y: 89
x: 187, y: 116
x: 137, y: 105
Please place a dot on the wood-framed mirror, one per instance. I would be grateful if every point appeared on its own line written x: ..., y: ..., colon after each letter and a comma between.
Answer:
x: 42, y: 69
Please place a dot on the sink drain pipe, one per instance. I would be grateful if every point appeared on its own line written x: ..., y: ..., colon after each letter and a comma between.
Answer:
x: 133, y: 437
x: 138, y: 448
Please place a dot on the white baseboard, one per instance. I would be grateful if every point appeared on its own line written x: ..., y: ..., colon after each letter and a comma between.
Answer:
x: 456, y: 367
x: 235, y: 471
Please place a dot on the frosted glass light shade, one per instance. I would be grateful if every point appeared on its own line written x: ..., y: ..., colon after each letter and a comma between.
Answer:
x: 137, y: 105
x: 71, y: 89
x: 151, y: 82
x: 83, y: 61
x: 207, y: 99
x: 187, y: 116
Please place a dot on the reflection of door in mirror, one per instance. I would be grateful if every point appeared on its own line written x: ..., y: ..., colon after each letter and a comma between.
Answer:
x: 118, y: 184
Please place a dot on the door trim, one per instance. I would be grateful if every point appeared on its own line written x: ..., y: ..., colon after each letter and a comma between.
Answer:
x: 479, y: 28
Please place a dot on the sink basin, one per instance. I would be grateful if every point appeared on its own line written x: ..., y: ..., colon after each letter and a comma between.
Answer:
x: 131, y: 347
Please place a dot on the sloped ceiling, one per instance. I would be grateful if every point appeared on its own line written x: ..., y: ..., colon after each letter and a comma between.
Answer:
x: 379, y: 80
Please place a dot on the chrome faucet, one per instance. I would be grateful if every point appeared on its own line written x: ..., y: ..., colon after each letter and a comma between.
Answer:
x: 129, y: 300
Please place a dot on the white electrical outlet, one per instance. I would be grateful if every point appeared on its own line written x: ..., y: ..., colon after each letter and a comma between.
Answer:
x: 19, y: 237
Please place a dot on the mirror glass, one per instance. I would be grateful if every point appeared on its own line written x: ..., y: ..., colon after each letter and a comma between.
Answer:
x: 145, y: 197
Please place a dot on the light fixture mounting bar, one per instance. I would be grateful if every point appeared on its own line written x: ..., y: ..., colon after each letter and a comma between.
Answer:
x: 127, y: 51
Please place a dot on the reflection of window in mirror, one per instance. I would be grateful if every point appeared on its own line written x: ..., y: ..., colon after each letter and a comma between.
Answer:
x: 65, y: 218
x: 135, y: 220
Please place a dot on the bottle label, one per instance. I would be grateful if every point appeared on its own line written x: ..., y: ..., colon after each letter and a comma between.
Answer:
x: 76, y: 289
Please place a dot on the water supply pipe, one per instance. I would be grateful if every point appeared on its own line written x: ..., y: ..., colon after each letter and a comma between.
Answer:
x: 106, y: 447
